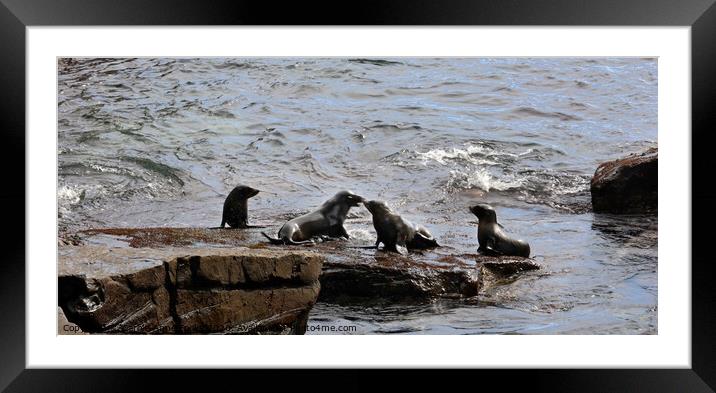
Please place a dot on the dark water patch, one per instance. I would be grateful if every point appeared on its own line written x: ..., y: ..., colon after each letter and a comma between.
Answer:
x: 88, y: 136
x: 222, y: 113
x: 625, y: 228
x: 363, y: 95
x: 581, y: 84
x: 132, y: 132
x: 162, y: 169
x: 534, y: 112
x: 504, y: 89
x: 377, y: 62
x: 364, y: 79
x: 235, y: 64
x: 456, y: 94
x: 395, y: 127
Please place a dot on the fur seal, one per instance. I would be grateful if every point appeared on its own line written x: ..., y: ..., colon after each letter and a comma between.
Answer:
x: 236, y: 207
x: 396, y: 233
x: 326, y: 221
x: 493, y: 241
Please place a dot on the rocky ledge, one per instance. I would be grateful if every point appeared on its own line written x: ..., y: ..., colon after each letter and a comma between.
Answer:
x: 185, y: 290
x: 627, y: 185
x: 349, y: 273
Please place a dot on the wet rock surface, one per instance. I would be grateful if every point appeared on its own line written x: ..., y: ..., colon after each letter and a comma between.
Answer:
x: 110, y: 289
x: 627, y: 185
x: 349, y: 273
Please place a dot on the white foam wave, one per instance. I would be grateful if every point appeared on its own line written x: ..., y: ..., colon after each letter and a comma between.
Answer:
x: 69, y: 195
x: 482, y: 180
x: 105, y: 169
x: 473, y: 154
x: 72, y: 194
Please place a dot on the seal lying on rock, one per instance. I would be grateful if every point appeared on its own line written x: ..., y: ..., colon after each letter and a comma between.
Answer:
x: 236, y: 207
x: 327, y: 221
x: 396, y: 233
x: 493, y: 241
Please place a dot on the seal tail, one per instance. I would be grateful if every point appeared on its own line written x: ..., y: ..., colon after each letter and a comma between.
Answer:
x: 285, y: 241
x: 273, y: 240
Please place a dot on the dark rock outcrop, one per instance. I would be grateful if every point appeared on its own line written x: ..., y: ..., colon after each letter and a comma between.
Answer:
x: 627, y: 185
x: 187, y: 290
x: 395, y: 278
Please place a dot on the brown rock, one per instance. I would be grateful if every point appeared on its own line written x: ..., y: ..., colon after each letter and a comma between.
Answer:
x: 627, y: 185
x: 402, y: 280
x: 242, y: 311
x: 167, y: 290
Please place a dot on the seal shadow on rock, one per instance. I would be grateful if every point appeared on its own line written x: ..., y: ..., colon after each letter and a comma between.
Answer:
x: 493, y: 241
x: 326, y: 222
x: 396, y: 233
x: 236, y: 210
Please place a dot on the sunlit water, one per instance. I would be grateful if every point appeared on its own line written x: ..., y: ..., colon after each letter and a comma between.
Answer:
x: 160, y: 142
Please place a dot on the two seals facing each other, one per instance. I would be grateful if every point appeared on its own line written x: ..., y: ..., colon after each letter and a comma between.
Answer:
x: 326, y: 221
x: 493, y: 241
x: 396, y: 233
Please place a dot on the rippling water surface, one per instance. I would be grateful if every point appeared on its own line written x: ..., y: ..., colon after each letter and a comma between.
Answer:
x: 160, y: 142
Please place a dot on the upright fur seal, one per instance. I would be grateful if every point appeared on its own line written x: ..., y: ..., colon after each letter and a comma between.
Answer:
x: 396, y: 233
x: 236, y: 207
x: 493, y: 241
x: 327, y: 220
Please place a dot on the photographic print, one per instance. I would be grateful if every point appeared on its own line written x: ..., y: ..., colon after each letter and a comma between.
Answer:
x: 406, y: 195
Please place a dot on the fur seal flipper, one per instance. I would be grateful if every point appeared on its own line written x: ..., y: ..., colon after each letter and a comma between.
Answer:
x: 325, y: 222
x: 396, y: 233
x: 236, y: 207
x: 277, y: 241
x: 493, y: 241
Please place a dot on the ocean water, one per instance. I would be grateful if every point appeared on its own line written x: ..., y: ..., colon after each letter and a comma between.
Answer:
x: 161, y: 142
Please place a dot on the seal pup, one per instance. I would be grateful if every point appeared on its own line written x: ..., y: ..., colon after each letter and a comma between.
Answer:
x: 327, y: 221
x: 493, y: 241
x: 236, y: 207
x: 396, y: 233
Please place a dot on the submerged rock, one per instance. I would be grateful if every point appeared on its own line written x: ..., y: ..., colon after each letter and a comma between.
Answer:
x: 496, y: 270
x: 106, y: 289
x: 627, y: 185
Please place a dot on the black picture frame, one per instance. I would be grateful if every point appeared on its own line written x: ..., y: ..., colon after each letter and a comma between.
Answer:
x: 16, y: 15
